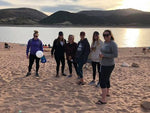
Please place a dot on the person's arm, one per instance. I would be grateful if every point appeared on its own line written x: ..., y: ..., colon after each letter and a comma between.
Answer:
x: 53, y: 48
x: 86, y: 51
x: 41, y: 46
x: 74, y: 50
x: 114, y: 53
x: 28, y: 47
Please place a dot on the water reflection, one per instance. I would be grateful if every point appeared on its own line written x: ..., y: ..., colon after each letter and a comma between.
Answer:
x: 132, y: 37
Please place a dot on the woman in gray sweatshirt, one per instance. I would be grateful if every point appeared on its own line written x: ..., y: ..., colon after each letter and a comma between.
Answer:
x: 109, y: 51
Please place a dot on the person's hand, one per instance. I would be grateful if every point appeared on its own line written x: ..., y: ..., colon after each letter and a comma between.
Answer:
x: 93, y: 48
x: 101, y: 55
x: 70, y: 57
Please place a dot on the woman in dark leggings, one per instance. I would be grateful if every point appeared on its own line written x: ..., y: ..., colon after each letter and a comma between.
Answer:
x: 109, y: 52
x: 58, y: 51
x: 70, y: 49
x: 94, y: 56
x: 33, y: 46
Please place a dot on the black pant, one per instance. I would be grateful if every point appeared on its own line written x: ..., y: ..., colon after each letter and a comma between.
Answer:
x: 31, y: 61
x: 58, y: 60
x: 94, y: 64
x: 105, y: 76
x: 70, y: 66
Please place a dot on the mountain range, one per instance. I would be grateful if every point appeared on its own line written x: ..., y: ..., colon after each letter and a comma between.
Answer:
x: 120, y: 17
x: 20, y: 16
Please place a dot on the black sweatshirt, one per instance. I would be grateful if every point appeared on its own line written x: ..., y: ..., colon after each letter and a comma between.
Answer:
x: 83, y: 50
x: 58, y: 49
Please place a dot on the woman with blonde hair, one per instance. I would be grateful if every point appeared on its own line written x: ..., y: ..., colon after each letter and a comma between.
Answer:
x: 34, y: 45
x: 70, y: 49
x: 94, y: 55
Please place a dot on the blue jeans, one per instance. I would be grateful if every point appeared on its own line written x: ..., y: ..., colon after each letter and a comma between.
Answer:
x: 79, y: 68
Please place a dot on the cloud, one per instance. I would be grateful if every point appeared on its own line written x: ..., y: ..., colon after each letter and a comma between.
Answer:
x: 72, y: 8
x: 3, y: 3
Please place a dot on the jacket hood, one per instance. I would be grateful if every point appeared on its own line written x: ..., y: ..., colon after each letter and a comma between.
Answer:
x: 84, y: 40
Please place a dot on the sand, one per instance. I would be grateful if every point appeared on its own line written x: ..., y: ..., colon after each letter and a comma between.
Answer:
x: 48, y: 94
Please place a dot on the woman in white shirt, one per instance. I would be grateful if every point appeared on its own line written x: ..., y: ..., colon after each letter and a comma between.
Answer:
x: 94, y: 56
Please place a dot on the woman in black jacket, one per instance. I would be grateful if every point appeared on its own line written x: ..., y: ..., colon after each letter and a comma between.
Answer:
x: 70, y: 49
x: 58, y: 51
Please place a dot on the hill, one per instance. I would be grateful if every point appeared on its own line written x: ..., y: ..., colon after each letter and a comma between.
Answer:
x: 120, y: 12
x: 62, y: 17
x: 122, y: 17
x: 20, y: 16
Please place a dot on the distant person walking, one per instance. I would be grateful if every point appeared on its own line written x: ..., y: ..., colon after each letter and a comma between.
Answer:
x: 58, y: 51
x: 94, y: 56
x: 70, y: 49
x: 34, y: 45
x: 109, y: 52
x: 82, y: 53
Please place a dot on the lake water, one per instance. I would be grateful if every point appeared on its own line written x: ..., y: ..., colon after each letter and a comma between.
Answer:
x: 124, y: 37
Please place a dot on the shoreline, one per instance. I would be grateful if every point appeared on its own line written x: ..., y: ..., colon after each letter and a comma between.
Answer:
x: 118, y: 47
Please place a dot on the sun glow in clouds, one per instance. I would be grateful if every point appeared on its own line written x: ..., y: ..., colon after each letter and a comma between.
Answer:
x: 132, y: 37
x: 136, y: 4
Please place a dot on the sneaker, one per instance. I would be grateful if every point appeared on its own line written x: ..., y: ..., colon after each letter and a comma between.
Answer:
x: 63, y: 74
x: 81, y: 83
x: 28, y: 74
x: 98, y: 84
x: 37, y: 75
x: 92, y: 82
x: 69, y: 76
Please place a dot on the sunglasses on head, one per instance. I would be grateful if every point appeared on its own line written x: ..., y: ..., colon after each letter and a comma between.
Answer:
x: 35, y: 36
x: 106, y: 35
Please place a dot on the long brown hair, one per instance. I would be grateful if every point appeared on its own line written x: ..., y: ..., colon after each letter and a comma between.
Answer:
x: 112, y: 37
x: 97, y: 34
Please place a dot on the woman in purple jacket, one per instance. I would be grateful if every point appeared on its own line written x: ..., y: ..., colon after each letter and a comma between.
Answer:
x: 34, y: 45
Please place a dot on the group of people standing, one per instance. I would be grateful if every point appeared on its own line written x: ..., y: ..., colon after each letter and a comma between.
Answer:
x: 100, y: 53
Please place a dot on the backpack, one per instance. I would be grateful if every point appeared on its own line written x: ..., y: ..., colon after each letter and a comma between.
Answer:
x: 43, y: 59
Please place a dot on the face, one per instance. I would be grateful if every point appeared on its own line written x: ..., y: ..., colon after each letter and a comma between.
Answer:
x: 36, y: 36
x: 71, y: 39
x: 95, y: 37
x: 61, y: 37
x: 82, y: 37
x: 107, y: 36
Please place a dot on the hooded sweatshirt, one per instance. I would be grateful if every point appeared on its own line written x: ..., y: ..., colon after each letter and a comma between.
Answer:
x: 83, y: 51
x: 33, y: 46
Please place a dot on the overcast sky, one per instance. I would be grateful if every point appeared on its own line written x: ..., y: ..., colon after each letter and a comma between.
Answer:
x: 51, y: 6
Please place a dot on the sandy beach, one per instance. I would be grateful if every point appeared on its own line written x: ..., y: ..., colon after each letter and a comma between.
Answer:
x: 48, y: 94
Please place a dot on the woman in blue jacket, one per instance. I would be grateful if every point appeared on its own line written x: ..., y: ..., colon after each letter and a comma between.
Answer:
x: 34, y: 45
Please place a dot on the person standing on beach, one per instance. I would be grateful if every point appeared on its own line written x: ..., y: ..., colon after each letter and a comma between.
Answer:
x: 82, y: 53
x: 70, y: 49
x: 109, y: 52
x: 58, y: 51
x: 34, y: 45
x: 94, y: 56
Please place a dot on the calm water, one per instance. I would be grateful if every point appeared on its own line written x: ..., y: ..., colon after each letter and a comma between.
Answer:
x: 125, y: 37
